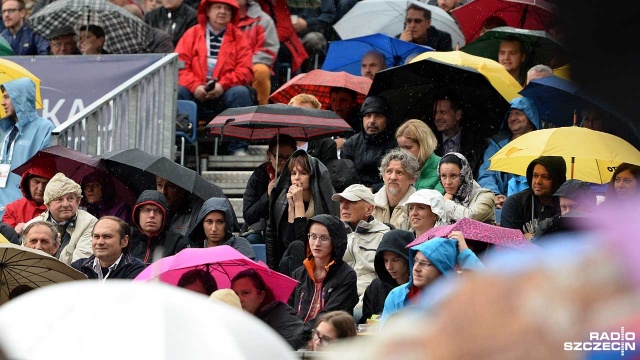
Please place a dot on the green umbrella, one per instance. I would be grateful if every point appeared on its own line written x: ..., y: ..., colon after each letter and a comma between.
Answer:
x: 540, y: 47
x: 5, y: 48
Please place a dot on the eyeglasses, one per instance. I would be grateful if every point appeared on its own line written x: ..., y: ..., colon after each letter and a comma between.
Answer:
x: 281, y: 157
x: 324, y: 340
x: 149, y: 210
x: 324, y: 239
x: 423, y: 264
x: 10, y: 11
x: 417, y: 21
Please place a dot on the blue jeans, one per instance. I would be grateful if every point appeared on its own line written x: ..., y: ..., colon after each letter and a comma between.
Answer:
x: 235, y: 96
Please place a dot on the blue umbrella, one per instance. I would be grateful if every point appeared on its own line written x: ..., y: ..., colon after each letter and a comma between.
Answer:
x: 345, y: 55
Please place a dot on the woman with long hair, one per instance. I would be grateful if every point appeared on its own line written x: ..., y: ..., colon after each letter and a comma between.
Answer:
x: 416, y: 137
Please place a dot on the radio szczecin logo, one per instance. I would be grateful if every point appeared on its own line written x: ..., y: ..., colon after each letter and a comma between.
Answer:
x: 605, y: 341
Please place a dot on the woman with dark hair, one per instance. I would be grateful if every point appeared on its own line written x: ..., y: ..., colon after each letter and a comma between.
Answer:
x: 302, y: 191
x: 255, y: 200
x: 332, y: 326
x: 198, y: 280
x: 257, y: 298
x: 91, y: 40
x: 625, y: 182
x: 99, y: 195
x: 464, y: 198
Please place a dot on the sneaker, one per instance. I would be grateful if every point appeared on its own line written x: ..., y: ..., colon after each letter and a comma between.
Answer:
x: 240, y: 153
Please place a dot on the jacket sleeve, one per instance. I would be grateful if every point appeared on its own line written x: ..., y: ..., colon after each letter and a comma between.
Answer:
x: 255, y: 206
x: 83, y: 246
x: 325, y: 19
x: 268, y: 43
x: 185, y: 49
x: 489, y: 179
x: 42, y: 44
x: 289, y: 326
x: 511, y: 217
x: 367, y: 307
x: 242, y: 73
x: 347, y: 149
x: 270, y: 239
x: 9, y: 217
x: 181, y: 243
x: 469, y: 261
x: 481, y: 208
x: 244, y: 247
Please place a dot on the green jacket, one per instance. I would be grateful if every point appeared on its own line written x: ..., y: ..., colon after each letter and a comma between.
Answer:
x: 428, y: 178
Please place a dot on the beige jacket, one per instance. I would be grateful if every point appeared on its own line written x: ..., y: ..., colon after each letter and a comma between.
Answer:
x: 79, y: 246
x: 481, y: 207
x: 398, y: 216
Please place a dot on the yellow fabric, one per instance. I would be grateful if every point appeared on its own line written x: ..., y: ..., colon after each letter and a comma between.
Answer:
x: 3, y: 240
x: 262, y: 82
x: 501, y: 80
x: 596, y: 153
x: 12, y: 71
x: 563, y: 72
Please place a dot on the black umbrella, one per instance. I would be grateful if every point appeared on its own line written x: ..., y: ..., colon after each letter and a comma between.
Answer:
x: 411, y: 90
x: 139, y: 169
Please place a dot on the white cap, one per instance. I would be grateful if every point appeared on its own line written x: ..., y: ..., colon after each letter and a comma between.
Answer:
x: 355, y: 192
x: 433, y: 198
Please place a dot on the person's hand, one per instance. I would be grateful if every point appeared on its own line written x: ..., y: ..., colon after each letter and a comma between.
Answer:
x: 500, y: 200
x: 462, y: 244
x: 448, y: 196
x: 19, y: 228
x: 406, y: 35
x: 339, y: 142
x: 272, y: 184
x: 200, y: 93
x: 300, y: 25
x: 528, y: 236
x: 296, y: 191
x: 217, y: 91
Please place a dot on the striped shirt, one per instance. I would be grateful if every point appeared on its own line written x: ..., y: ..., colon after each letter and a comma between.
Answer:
x: 214, y: 43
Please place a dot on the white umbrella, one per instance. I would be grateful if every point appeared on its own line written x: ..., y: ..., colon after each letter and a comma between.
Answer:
x: 121, y: 319
x: 368, y: 17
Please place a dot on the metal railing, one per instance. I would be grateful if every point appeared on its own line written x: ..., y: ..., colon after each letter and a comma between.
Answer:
x: 140, y: 113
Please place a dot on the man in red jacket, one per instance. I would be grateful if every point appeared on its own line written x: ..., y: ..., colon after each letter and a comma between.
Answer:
x: 32, y: 184
x: 217, y: 62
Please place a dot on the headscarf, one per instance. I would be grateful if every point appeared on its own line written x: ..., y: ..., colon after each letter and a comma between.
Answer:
x: 463, y: 195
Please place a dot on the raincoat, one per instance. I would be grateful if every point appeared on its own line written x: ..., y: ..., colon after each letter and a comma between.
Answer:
x: 198, y: 237
x: 260, y: 31
x: 443, y: 254
x: 279, y: 11
x: 282, y: 318
x: 25, y: 209
x: 34, y: 133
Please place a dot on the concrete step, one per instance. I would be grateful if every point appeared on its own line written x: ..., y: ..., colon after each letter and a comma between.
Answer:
x: 232, y: 183
x: 237, y: 207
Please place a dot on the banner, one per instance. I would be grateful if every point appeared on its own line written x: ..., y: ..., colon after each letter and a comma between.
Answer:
x: 71, y: 83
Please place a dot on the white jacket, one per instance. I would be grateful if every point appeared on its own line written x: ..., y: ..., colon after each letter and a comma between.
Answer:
x: 398, y: 216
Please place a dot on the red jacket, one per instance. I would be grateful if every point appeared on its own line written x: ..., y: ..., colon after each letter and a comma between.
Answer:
x: 234, y: 66
x: 25, y: 209
x: 260, y: 31
x: 279, y: 11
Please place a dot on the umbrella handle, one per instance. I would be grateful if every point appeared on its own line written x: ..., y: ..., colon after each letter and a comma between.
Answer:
x: 575, y: 117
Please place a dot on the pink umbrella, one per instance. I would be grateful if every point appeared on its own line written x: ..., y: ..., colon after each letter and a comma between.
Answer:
x: 476, y: 230
x: 223, y: 262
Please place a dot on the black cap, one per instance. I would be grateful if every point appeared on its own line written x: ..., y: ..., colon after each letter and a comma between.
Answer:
x: 61, y: 31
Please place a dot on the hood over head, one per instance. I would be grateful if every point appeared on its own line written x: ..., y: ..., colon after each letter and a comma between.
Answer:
x: 337, y: 231
x: 197, y: 234
x: 376, y: 104
x: 441, y: 252
x: 203, y: 18
x: 529, y: 107
x: 556, y: 166
x: 30, y: 173
x: 22, y: 92
x: 579, y: 191
x: 463, y: 195
x: 433, y: 199
x: 108, y: 188
x: 152, y: 197
x: 395, y: 241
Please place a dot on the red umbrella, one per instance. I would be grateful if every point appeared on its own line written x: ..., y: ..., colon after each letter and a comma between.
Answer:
x: 476, y: 230
x: 524, y: 14
x: 261, y: 123
x: 319, y: 83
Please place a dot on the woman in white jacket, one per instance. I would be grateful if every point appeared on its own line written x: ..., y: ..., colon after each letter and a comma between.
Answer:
x: 464, y: 198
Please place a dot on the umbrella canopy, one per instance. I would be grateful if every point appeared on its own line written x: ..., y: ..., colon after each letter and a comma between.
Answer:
x: 345, y: 55
x: 476, y: 230
x: 5, y: 48
x: 483, y: 86
x: 387, y: 17
x: 524, y: 14
x: 124, y: 32
x: 557, y: 99
x: 10, y: 70
x: 261, y: 123
x: 136, y: 321
x: 139, y: 169
x: 539, y: 47
x: 223, y: 262
x: 20, y: 265
x: 319, y: 84
x: 590, y: 155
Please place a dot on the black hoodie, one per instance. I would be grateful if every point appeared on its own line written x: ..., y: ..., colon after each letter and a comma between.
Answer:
x: 524, y: 210
x: 142, y: 245
x: 339, y: 286
x: 395, y: 241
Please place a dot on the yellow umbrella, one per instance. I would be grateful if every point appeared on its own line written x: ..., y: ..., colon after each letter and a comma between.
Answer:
x: 506, y: 85
x: 591, y: 155
x: 11, y: 71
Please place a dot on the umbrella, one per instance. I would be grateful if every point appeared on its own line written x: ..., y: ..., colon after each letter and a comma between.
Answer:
x: 538, y: 45
x: 524, y: 14
x: 319, y: 83
x: 125, y: 33
x: 136, y: 321
x: 483, y: 86
x: 261, y: 123
x: 557, y: 99
x: 20, y: 265
x: 5, y: 48
x: 345, y: 55
x: 476, y: 230
x: 591, y: 156
x: 139, y: 169
x: 10, y: 70
x: 387, y: 17
x: 223, y: 262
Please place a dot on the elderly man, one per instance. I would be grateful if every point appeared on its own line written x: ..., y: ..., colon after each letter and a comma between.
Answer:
x: 418, y: 30
x: 364, y: 232
x: 62, y: 197
x: 111, y: 258
x: 41, y: 235
x: 538, y: 72
x: 399, y: 170
x: 372, y: 62
x: 62, y: 41
x: 32, y: 184
x: 151, y: 230
x: 367, y: 147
